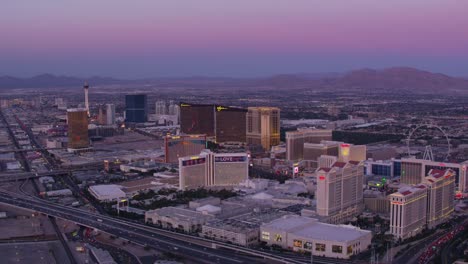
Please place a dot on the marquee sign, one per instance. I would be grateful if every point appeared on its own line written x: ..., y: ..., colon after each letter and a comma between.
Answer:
x: 230, y: 159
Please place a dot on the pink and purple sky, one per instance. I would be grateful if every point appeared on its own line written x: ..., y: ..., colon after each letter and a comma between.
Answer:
x: 238, y: 38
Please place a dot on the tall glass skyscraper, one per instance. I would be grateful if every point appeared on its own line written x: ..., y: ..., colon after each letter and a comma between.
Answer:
x: 136, y: 108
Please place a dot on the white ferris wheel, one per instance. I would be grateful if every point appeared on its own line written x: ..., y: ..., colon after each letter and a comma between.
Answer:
x: 428, y: 155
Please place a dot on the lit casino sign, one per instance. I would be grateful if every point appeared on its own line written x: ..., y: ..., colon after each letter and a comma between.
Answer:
x: 221, y: 108
x: 344, y: 149
x: 322, y: 177
x: 230, y: 159
x: 193, y: 161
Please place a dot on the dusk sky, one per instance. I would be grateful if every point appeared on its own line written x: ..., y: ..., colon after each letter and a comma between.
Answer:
x: 239, y: 38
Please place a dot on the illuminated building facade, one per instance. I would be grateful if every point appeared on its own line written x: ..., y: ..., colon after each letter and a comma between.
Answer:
x: 441, y: 189
x: 136, y: 108
x: 408, y: 211
x: 182, y: 146
x: 263, y: 126
x: 213, y: 169
x: 77, y: 119
x: 295, y: 141
x: 349, y: 152
x: 339, y: 191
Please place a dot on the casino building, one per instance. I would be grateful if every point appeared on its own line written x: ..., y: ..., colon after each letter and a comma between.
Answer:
x: 212, y: 169
x: 197, y: 119
x: 183, y: 145
x: 77, y: 120
x: 223, y: 123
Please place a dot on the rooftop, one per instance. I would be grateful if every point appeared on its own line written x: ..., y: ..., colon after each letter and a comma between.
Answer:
x: 312, y: 228
x: 339, y: 164
x: 436, y: 173
x: 108, y: 189
x: 182, y: 214
x: 323, y: 231
x: 289, y: 222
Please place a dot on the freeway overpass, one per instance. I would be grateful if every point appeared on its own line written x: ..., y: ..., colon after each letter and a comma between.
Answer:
x: 185, y: 245
x: 30, y: 175
x: 26, y: 150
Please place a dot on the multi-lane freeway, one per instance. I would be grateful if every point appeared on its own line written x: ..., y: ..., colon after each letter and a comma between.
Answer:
x: 198, y: 249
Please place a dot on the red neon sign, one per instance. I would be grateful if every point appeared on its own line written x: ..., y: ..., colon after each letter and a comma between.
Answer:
x: 321, y: 177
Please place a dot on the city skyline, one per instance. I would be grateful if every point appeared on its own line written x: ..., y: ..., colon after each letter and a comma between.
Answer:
x: 241, y: 39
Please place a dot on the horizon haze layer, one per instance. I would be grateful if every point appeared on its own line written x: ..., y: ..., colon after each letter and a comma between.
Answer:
x: 236, y: 39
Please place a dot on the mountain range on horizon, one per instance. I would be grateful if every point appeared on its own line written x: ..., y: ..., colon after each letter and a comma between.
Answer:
x: 396, y: 78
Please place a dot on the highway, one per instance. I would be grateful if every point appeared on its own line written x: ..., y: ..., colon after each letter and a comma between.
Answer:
x: 189, y: 246
x: 142, y: 235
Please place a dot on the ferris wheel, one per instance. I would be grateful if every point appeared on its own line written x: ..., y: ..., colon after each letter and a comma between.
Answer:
x: 428, y: 151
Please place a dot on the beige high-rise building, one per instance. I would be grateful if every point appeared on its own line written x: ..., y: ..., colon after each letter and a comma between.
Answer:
x: 441, y: 190
x: 408, y: 211
x: 413, y: 171
x: 326, y: 161
x: 263, y: 126
x: 313, y: 151
x: 348, y: 152
x: 77, y: 120
x: 339, y: 191
x: 295, y: 141
x: 213, y: 169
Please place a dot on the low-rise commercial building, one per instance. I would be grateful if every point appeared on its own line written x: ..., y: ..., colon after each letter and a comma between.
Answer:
x: 309, y: 235
x: 179, y: 218
x: 243, y: 230
x: 106, y: 193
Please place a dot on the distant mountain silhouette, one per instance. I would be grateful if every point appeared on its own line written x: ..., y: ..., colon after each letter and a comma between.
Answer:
x: 397, y: 79
x: 400, y: 79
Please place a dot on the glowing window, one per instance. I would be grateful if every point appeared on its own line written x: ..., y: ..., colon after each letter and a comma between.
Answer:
x: 266, y: 235
x: 320, y: 247
x: 278, y: 238
x: 297, y: 243
x: 337, y: 249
